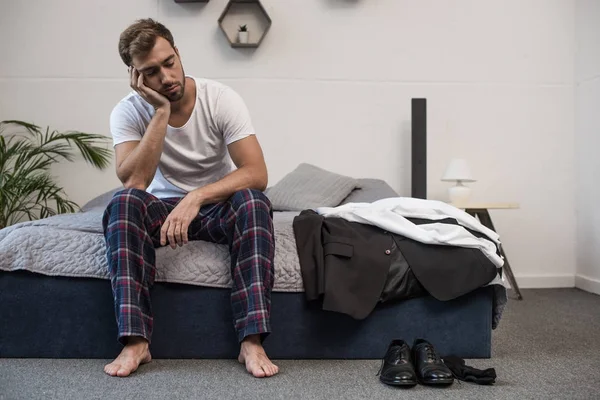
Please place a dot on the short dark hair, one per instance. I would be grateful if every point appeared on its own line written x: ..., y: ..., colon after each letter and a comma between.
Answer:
x: 139, y: 38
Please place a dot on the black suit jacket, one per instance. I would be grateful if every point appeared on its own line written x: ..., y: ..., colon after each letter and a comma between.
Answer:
x: 347, y: 263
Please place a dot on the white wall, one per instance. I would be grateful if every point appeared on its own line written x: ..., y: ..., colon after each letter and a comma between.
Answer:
x: 331, y: 85
x: 587, y: 122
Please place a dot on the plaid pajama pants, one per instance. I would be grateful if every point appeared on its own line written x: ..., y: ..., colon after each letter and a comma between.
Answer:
x: 132, y: 223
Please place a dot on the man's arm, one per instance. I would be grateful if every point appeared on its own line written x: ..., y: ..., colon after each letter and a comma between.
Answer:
x: 252, y: 173
x: 137, y: 161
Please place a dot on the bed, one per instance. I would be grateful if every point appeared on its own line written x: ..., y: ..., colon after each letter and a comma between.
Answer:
x: 56, y: 299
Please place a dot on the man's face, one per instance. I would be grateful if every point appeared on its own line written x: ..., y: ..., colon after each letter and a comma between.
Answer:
x: 162, y: 70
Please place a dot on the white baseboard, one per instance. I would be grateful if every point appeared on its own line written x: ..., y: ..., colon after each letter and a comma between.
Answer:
x: 544, y: 281
x: 588, y: 284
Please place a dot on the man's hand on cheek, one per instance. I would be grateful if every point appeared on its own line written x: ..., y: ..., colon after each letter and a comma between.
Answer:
x: 175, y: 228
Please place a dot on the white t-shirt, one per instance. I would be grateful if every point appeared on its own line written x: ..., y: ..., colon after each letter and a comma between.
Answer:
x: 195, y: 154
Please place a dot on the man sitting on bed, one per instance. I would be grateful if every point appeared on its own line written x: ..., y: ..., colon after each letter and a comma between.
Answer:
x: 192, y: 169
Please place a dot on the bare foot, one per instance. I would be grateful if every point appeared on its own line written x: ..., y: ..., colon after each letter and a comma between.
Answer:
x: 253, y: 355
x: 136, y: 352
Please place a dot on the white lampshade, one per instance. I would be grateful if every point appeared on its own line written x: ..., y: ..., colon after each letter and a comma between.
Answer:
x: 458, y: 170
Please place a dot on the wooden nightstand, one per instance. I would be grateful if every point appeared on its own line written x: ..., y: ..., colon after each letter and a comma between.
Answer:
x: 480, y: 211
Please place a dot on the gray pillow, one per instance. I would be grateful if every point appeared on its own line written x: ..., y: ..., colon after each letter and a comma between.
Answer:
x: 100, y: 201
x: 309, y: 187
x: 370, y: 190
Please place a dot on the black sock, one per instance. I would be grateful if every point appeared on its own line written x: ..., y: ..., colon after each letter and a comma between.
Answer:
x: 469, y: 374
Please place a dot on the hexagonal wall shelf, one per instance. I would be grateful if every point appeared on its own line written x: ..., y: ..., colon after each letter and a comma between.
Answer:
x: 245, y: 12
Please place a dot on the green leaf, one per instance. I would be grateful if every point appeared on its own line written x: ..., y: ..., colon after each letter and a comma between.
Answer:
x: 26, y: 155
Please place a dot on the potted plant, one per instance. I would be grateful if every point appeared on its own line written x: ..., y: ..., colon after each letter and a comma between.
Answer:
x: 27, y: 190
x: 243, y: 34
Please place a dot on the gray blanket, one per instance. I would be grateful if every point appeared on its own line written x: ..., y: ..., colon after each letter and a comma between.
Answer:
x: 73, y: 245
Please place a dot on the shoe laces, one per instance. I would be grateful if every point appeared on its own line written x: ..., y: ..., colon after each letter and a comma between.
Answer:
x: 431, y: 354
x: 395, y: 353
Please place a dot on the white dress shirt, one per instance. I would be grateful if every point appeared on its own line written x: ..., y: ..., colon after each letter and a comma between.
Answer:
x: 391, y: 215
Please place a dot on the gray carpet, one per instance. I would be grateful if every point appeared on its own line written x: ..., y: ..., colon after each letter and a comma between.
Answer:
x: 546, y: 347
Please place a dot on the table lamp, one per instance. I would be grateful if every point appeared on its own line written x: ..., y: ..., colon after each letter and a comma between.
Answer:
x: 458, y: 171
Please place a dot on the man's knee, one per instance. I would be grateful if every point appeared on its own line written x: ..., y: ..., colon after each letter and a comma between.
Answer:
x: 129, y: 195
x: 249, y: 199
x: 125, y: 199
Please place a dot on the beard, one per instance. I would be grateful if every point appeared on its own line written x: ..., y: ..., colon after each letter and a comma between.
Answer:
x: 176, y: 95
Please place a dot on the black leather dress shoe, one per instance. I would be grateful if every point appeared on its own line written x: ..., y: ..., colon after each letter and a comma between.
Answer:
x: 429, y: 366
x: 397, y: 368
